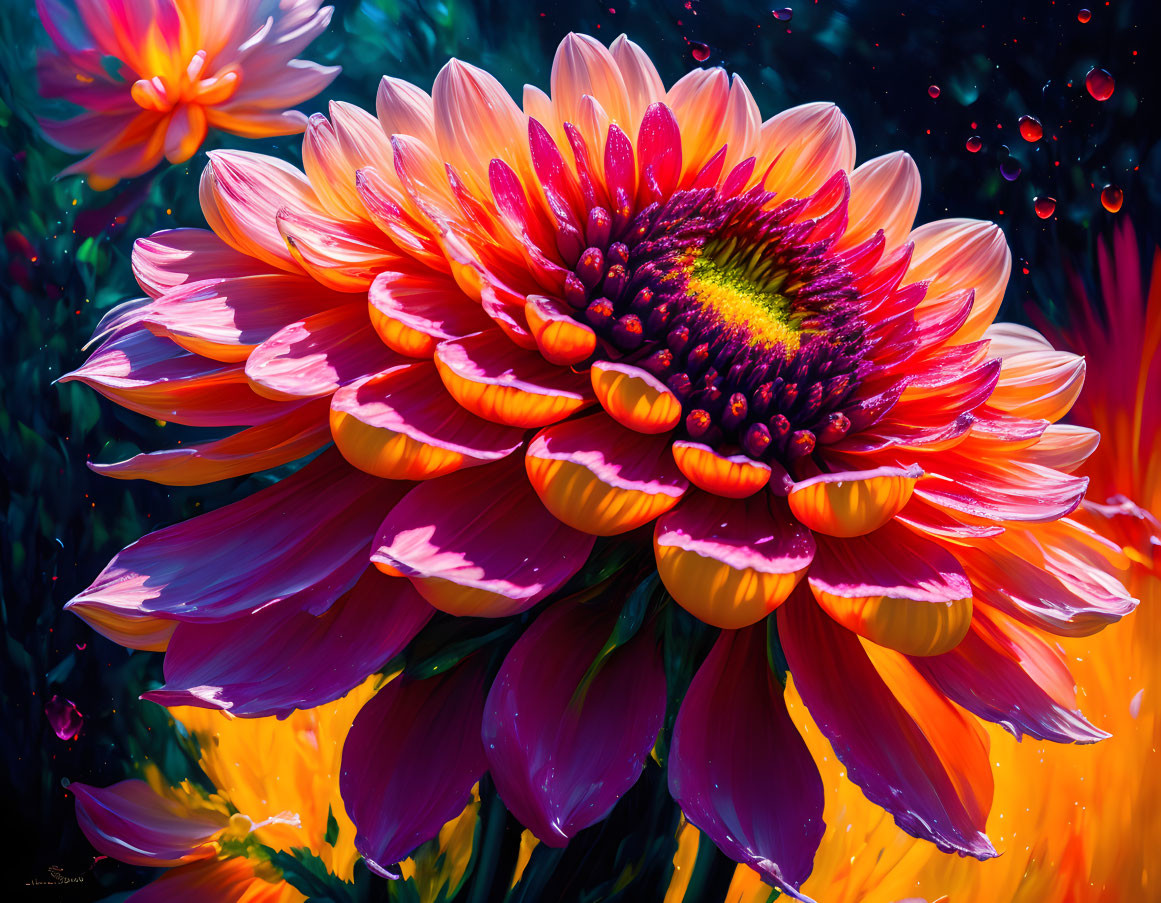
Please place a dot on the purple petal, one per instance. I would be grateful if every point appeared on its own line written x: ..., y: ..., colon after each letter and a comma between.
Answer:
x: 305, y: 538
x: 885, y: 746
x: 132, y: 823
x: 562, y: 755
x: 281, y: 658
x: 738, y: 768
x: 479, y: 542
x: 411, y: 759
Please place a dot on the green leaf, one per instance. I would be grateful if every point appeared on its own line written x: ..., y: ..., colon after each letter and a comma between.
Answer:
x: 306, y: 873
x: 332, y: 828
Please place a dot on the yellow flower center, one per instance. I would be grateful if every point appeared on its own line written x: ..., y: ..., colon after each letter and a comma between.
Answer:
x: 740, y: 300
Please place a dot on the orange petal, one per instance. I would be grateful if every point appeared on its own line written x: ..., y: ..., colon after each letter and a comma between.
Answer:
x: 698, y: 100
x: 731, y: 563
x: 401, y: 425
x: 643, y: 85
x: 803, y: 147
x: 495, y: 380
x: 852, y: 503
x: 414, y: 312
x: 635, y: 398
x: 584, y: 67
x: 596, y: 476
x: 733, y: 477
x: 894, y: 588
x: 1036, y: 381
x: 884, y: 195
x: 561, y: 339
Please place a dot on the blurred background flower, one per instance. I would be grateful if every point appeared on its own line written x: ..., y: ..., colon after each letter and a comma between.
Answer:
x: 152, y: 77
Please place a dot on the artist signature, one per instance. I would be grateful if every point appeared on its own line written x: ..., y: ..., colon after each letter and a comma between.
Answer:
x: 56, y: 877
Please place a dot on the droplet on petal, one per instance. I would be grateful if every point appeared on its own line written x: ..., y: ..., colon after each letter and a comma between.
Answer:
x: 1010, y: 169
x: 1100, y: 83
x: 974, y: 143
x: 700, y: 51
x: 1044, y: 207
x: 1084, y: 16
x: 64, y: 717
x: 1030, y: 129
x: 1111, y: 198
x: 933, y: 91
x: 783, y: 15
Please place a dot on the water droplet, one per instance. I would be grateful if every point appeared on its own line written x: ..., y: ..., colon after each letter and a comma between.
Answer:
x: 1100, y: 84
x: 933, y: 91
x: 974, y: 143
x: 1044, y: 207
x: 1111, y: 198
x: 1030, y: 129
x: 64, y: 717
x: 1084, y: 15
x: 783, y: 15
x: 701, y: 52
x: 1010, y: 169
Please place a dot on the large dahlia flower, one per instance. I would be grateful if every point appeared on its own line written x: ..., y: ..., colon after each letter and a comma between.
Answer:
x: 561, y: 351
x: 153, y: 76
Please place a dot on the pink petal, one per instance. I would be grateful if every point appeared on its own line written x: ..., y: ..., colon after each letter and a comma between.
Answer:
x: 740, y: 771
x: 305, y: 538
x: 301, y: 430
x: 561, y: 752
x: 133, y: 823
x: 64, y: 717
x: 281, y: 658
x: 479, y: 542
x: 888, y: 750
x: 1006, y: 673
x: 231, y: 880
x: 317, y: 355
x: 155, y: 377
x: 415, y: 311
x: 410, y: 760
x: 174, y: 257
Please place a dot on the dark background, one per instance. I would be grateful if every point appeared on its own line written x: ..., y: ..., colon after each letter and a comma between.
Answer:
x: 65, y: 260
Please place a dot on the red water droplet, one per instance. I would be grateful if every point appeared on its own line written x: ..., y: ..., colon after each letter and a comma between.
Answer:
x: 701, y: 52
x: 1100, y: 84
x: 1111, y: 198
x: 1030, y: 129
x: 1044, y: 207
x: 783, y: 15
x: 1084, y: 15
x: 974, y: 144
x: 933, y: 91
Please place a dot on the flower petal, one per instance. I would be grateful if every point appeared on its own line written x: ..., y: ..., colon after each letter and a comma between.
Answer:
x: 740, y: 771
x: 155, y: 377
x: 733, y: 476
x: 853, y: 503
x: 800, y: 148
x: 226, y: 319
x: 230, y: 880
x: 562, y: 751
x: 643, y: 85
x: 317, y: 355
x: 306, y: 538
x: 414, y: 311
x: 133, y: 823
x: 730, y: 563
x: 635, y: 398
x: 282, y: 658
x: 884, y: 195
x: 174, y: 257
x: 401, y: 425
x: 561, y: 339
x: 955, y: 254
x: 894, y: 588
x: 1036, y: 381
x: 404, y: 109
x: 411, y: 759
x: 479, y: 543
x: 302, y: 429
x: 599, y: 477
x: 496, y: 380
x: 906, y: 746
x: 1006, y: 673
x: 583, y: 66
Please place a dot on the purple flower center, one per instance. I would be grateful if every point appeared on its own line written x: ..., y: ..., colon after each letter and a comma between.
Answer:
x: 751, y: 323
